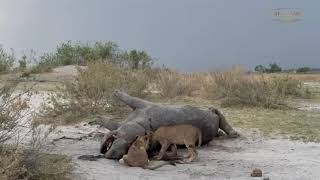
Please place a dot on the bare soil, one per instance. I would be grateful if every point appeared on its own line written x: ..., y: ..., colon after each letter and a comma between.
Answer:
x: 223, y: 158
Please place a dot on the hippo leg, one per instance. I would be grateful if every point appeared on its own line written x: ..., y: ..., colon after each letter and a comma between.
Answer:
x: 224, y: 125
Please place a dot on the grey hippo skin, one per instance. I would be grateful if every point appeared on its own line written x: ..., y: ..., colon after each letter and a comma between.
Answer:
x: 148, y: 116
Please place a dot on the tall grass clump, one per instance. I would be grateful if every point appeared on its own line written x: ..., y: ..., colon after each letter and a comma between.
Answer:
x: 92, y: 92
x: 236, y: 87
x: 171, y: 83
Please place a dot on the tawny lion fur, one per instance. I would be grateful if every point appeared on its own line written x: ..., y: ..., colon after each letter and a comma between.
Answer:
x: 137, y: 154
x: 183, y: 134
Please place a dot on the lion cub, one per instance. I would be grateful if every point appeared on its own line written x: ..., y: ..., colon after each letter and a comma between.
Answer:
x: 178, y: 135
x: 137, y: 154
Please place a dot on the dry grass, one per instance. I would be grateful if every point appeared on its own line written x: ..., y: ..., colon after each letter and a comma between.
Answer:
x: 92, y: 93
x: 18, y: 161
x: 48, y: 166
x: 307, y: 77
x: 232, y: 87
x: 19, y: 164
x: 236, y: 87
x: 298, y: 125
x: 172, y: 84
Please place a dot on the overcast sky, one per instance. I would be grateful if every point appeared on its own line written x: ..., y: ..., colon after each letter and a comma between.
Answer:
x: 185, y: 34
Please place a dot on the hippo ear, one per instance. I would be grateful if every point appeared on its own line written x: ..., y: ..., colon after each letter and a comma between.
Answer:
x: 115, y: 134
x: 136, y: 137
x: 149, y: 135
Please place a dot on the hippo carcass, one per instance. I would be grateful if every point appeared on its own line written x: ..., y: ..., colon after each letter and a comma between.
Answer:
x: 147, y: 116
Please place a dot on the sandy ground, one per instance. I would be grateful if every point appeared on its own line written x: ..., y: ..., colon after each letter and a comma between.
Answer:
x: 223, y: 158
x: 309, y: 106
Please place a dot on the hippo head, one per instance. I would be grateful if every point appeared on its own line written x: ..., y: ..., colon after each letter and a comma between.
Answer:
x: 113, y: 146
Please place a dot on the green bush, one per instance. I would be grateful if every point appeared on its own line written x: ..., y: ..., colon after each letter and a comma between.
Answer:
x: 260, y: 68
x: 273, y: 68
x: 303, y: 70
x: 82, y: 54
x: 137, y: 59
x: 23, y: 63
x: 76, y: 54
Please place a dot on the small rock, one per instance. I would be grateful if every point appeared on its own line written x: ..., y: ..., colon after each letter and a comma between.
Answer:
x: 266, y: 178
x: 256, y: 172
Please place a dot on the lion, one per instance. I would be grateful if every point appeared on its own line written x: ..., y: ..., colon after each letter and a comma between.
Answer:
x: 183, y: 134
x: 137, y: 155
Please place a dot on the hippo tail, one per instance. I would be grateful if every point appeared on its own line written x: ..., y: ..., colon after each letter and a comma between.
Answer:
x: 200, y: 137
x: 217, y: 112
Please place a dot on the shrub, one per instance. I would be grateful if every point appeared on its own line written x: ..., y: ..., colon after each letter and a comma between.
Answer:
x: 17, y: 163
x: 92, y: 92
x: 23, y: 63
x: 82, y: 54
x: 77, y: 54
x: 137, y: 59
x: 11, y: 164
x: 11, y: 110
x: 303, y: 70
x: 260, y: 68
x: 6, y: 60
x: 20, y: 161
x: 273, y: 68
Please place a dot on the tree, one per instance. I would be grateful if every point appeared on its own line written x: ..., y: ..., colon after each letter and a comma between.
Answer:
x: 138, y: 59
x: 23, y: 63
x: 6, y: 60
x: 273, y: 67
x: 303, y: 69
x: 260, y: 68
